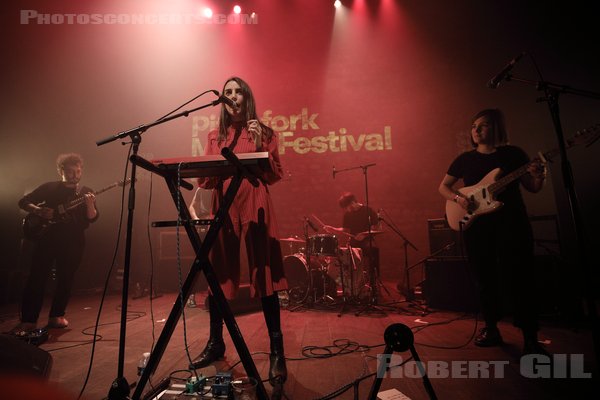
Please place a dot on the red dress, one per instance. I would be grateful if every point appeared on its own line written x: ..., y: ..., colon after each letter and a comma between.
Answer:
x: 251, y: 218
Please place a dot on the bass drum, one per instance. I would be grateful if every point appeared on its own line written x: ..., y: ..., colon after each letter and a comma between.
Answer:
x: 296, y: 273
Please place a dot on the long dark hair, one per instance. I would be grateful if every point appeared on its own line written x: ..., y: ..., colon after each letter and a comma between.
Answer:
x: 249, y: 108
x: 496, y: 120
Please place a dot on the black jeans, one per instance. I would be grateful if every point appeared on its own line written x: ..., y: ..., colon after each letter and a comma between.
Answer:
x: 64, y: 254
x: 500, y: 251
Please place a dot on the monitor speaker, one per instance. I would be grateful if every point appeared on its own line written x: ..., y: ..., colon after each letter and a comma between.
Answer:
x: 18, y: 356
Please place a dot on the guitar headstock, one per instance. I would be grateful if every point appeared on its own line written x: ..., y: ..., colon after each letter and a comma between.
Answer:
x: 585, y: 137
x: 125, y: 182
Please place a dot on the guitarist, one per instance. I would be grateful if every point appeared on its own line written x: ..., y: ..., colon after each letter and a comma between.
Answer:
x: 499, y: 244
x: 60, y: 245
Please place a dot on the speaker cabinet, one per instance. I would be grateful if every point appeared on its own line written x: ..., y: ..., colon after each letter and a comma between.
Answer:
x: 17, y: 356
x: 448, y: 285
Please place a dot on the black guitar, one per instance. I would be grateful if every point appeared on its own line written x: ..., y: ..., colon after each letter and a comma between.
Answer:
x: 34, y: 226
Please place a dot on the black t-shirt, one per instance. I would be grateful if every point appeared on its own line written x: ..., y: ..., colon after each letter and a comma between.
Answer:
x: 472, y: 166
x: 55, y: 194
x: 358, y: 221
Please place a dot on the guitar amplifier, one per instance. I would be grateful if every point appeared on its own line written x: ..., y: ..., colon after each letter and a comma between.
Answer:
x: 441, y: 236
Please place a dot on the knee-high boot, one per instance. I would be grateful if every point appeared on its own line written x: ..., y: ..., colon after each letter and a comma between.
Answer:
x: 277, y: 368
x: 214, y: 349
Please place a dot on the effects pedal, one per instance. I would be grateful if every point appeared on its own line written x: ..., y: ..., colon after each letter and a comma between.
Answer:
x: 34, y: 337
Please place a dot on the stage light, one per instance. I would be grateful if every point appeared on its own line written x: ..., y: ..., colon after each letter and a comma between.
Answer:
x: 337, y: 3
x: 237, y: 9
x: 207, y: 12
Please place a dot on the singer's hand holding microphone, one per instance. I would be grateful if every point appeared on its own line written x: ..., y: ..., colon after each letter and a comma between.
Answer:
x: 255, y: 130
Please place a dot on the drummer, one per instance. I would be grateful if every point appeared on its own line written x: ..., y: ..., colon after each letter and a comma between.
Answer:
x: 355, y: 225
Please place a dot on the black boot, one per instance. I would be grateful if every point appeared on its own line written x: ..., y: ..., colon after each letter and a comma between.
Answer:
x: 488, y: 337
x: 277, y: 368
x: 214, y: 350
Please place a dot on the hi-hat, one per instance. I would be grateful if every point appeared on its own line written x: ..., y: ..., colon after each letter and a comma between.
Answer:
x: 291, y: 239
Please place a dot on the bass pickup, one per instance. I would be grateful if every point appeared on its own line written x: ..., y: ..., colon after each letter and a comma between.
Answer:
x: 193, y: 222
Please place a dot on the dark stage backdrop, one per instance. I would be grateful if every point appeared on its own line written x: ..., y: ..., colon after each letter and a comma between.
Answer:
x: 390, y: 83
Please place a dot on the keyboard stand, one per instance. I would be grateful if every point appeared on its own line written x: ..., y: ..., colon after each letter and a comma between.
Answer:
x: 201, y: 263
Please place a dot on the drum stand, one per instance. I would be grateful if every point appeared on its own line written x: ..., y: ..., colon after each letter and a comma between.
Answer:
x: 353, y: 298
x: 310, y: 299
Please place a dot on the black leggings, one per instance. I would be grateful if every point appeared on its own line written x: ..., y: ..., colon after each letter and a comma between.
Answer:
x: 270, y: 306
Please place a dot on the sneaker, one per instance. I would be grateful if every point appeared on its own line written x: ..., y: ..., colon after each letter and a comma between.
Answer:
x: 488, y: 337
x: 22, y: 328
x: 58, y: 322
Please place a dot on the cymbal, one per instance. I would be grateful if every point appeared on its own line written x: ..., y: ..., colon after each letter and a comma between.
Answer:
x: 291, y: 239
x: 366, y: 233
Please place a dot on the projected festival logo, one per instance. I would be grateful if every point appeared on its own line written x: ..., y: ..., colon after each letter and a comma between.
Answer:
x: 301, y: 133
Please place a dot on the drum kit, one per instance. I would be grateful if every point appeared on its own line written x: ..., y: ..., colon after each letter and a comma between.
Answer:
x: 318, y: 269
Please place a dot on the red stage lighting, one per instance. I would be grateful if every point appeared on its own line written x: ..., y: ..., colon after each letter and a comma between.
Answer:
x: 237, y: 9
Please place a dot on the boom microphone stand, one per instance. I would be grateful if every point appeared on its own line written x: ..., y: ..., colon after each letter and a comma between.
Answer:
x: 552, y: 92
x: 405, y: 243
x: 120, y: 388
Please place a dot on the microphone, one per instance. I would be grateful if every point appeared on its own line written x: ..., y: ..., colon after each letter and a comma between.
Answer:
x: 334, y: 172
x: 310, y: 223
x: 229, y: 102
x: 495, y: 81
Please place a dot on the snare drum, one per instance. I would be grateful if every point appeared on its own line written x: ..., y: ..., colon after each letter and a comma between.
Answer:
x: 323, y: 245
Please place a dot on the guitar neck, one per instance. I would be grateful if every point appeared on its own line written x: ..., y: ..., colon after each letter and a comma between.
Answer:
x: 503, y: 182
x: 76, y: 202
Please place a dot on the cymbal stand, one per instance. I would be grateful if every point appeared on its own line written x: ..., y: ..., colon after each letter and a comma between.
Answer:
x: 310, y: 296
x: 405, y: 244
x: 423, y: 309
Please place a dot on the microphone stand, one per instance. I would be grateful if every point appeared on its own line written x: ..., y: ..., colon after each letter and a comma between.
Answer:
x: 399, y: 338
x: 552, y: 91
x: 120, y: 388
x: 372, y: 302
x: 405, y: 243
x: 310, y: 288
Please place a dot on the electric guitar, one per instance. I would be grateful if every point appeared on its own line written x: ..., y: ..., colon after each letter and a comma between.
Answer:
x: 482, y: 195
x: 34, y: 226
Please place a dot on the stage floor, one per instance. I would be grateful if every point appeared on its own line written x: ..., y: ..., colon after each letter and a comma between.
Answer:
x: 443, y: 340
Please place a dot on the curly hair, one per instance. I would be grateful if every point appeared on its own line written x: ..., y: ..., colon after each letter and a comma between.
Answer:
x: 68, y: 159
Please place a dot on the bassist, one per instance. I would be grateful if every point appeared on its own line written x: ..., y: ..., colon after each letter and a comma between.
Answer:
x: 60, y: 243
x: 499, y: 245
